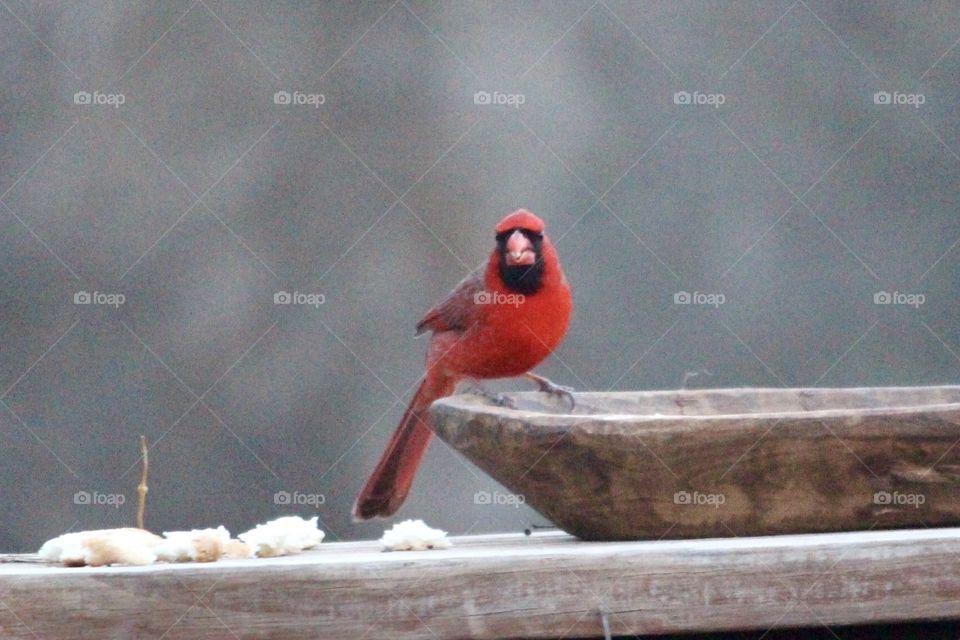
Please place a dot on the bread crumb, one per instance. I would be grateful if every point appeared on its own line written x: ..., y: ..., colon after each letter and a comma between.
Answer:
x: 102, y: 547
x: 283, y: 536
x: 237, y: 550
x: 199, y: 545
x: 414, y: 535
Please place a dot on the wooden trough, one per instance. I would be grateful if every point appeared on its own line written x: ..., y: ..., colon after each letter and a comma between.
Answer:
x: 728, y: 462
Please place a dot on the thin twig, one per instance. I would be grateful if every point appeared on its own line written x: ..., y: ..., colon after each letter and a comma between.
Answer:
x: 605, y: 621
x: 142, y: 487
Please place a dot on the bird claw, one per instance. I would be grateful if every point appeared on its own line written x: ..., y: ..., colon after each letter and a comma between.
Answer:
x: 563, y: 393
x: 558, y: 391
x: 498, y: 399
x: 502, y: 400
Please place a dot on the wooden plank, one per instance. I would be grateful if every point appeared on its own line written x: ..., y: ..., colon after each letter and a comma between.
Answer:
x: 504, y: 586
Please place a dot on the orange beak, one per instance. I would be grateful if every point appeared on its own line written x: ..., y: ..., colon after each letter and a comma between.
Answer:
x: 520, y: 250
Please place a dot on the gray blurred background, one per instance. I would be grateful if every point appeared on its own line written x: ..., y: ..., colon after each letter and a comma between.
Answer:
x: 798, y: 199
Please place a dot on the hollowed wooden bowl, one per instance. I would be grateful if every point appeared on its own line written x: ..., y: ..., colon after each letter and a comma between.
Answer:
x: 725, y: 462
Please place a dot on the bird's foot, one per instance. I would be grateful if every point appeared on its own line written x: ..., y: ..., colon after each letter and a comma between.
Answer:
x: 498, y: 399
x: 553, y: 389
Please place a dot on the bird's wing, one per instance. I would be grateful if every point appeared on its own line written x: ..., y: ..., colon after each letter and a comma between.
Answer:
x: 456, y: 312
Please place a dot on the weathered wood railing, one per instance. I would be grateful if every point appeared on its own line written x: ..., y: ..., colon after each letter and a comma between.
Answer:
x: 498, y: 586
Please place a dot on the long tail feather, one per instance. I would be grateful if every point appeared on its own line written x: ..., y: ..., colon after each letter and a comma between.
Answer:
x: 390, y: 482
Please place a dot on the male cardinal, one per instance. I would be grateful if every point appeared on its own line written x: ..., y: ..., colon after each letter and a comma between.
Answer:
x: 500, y: 321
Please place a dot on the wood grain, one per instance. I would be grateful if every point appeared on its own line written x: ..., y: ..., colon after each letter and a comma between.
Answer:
x: 704, y: 463
x: 506, y: 586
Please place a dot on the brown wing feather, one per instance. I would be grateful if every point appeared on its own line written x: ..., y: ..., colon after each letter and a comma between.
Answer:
x: 458, y: 310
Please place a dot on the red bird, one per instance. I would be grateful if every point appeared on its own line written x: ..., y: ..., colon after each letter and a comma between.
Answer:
x: 499, y: 322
